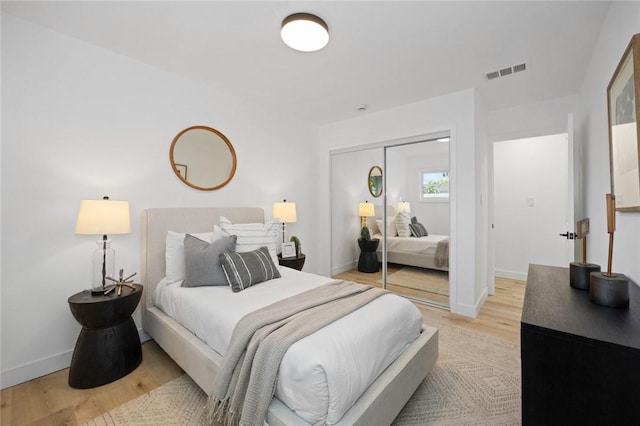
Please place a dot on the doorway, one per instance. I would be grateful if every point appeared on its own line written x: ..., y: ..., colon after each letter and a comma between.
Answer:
x: 530, y: 178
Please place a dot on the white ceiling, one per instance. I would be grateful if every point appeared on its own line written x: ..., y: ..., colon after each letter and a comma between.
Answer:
x: 381, y: 54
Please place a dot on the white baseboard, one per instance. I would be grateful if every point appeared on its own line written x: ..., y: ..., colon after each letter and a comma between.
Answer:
x: 512, y: 275
x: 42, y: 367
x: 470, y: 310
x: 343, y: 268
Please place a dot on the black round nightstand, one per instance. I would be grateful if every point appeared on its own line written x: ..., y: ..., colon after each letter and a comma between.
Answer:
x: 368, y: 261
x: 292, y: 262
x: 108, y: 346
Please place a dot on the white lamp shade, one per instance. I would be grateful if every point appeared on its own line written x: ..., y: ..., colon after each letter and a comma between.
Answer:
x: 102, y: 217
x: 404, y: 206
x: 304, y: 32
x: 285, y: 212
x: 366, y: 210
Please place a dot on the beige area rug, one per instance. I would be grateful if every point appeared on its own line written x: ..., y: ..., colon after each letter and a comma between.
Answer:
x: 476, y: 381
x: 429, y: 280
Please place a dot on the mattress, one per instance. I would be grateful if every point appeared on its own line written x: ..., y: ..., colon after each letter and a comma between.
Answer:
x: 322, y: 375
x: 422, y: 245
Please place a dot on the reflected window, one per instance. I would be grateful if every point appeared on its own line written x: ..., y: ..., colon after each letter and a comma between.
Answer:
x: 435, y: 185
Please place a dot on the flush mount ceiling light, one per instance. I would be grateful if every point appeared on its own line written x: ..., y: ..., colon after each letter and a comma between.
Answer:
x: 304, y: 32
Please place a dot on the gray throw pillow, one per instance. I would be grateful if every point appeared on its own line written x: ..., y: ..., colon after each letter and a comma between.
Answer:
x: 246, y: 269
x: 202, y: 260
x: 417, y: 229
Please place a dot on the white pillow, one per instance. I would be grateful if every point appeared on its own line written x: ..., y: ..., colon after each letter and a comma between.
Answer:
x: 252, y: 236
x: 391, y: 227
x: 174, y: 252
x: 402, y: 224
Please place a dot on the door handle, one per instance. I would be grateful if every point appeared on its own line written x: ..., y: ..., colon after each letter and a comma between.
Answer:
x: 568, y: 235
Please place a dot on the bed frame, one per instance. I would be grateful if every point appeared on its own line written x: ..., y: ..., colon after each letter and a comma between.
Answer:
x: 378, y: 405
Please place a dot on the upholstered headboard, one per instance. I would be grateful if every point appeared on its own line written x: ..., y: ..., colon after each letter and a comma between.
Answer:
x: 156, y: 223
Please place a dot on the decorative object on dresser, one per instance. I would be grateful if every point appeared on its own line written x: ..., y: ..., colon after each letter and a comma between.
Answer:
x: 579, y: 360
x: 288, y: 250
x: 207, y: 154
x: 580, y: 272
x: 285, y: 213
x: 296, y: 241
x: 108, y: 346
x: 103, y: 217
x: 623, y: 99
x: 607, y: 288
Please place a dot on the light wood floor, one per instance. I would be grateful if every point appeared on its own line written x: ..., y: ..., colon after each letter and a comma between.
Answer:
x: 50, y: 401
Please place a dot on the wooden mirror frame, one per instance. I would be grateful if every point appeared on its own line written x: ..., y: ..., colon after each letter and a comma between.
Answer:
x: 181, y: 167
x: 624, y: 146
x: 372, y: 185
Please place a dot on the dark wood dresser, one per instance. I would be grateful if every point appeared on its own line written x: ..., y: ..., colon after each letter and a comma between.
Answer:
x: 580, y: 361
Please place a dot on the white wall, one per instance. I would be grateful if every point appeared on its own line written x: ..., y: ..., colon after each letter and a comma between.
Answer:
x: 592, y: 125
x: 533, y: 168
x: 80, y: 122
x: 454, y: 112
x: 434, y: 215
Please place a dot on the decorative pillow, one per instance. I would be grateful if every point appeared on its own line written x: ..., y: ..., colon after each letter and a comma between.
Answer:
x: 402, y: 224
x: 391, y: 227
x: 174, y: 253
x: 417, y: 229
x: 252, y: 236
x: 242, y: 270
x: 202, y: 260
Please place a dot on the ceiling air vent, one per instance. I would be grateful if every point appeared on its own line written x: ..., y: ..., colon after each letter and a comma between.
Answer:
x: 506, y: 71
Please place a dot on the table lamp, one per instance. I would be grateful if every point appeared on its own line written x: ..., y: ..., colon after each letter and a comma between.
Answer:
x: 365, y: 210
x: 286, y: 213
x: 102, y: 217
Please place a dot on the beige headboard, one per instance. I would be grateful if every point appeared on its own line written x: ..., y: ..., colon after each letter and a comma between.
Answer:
x: 156, y: 223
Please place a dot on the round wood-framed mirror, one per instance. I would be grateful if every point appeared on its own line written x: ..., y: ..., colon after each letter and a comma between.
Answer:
x: 203, y: 158
x: 374, y: 181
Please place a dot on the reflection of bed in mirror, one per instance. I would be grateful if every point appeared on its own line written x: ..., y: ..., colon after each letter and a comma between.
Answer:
x: 430, y: 251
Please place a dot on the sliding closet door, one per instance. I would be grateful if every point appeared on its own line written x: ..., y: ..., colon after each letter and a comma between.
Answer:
x: 351, y: 180
x: 417, y: 220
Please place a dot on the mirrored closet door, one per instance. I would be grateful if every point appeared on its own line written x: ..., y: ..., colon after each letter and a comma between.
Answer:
x: 390, y: 217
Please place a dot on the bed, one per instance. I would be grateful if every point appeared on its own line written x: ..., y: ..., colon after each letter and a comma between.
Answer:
x: 379, y: 403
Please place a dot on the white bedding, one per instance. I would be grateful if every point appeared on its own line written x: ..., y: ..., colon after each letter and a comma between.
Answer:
x: 322, y: 375
x: 421, y: 245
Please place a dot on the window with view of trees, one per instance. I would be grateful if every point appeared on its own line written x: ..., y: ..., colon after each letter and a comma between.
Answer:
x: 435, y: 185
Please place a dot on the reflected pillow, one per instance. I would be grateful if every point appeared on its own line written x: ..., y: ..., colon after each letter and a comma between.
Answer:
x: 202, y: 260
x: 402, y: 224
x: 242, y: 270
x: 417, y: 229
x: 252, y: 236
x: 391, y: 227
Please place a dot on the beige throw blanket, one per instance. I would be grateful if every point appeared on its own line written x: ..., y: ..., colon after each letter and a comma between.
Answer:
x: 246, y: 382
x: 442, y: 254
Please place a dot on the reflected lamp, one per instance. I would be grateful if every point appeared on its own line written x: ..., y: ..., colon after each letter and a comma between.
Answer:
x: 365, y: 210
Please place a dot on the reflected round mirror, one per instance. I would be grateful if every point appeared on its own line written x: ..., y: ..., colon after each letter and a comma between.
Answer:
x: 203, y: 158
x: 375, y: 181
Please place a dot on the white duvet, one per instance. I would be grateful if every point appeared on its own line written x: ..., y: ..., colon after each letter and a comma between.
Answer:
x: 322, y: 375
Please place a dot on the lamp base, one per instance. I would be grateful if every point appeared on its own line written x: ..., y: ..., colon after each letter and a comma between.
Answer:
x: 100, y: 291
x: 609, y: 290
x: 580, y: 274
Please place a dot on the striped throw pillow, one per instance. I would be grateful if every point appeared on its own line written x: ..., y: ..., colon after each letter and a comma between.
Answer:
x: 246, y: 269
x: 402, y: 224
x: 252, y: 236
